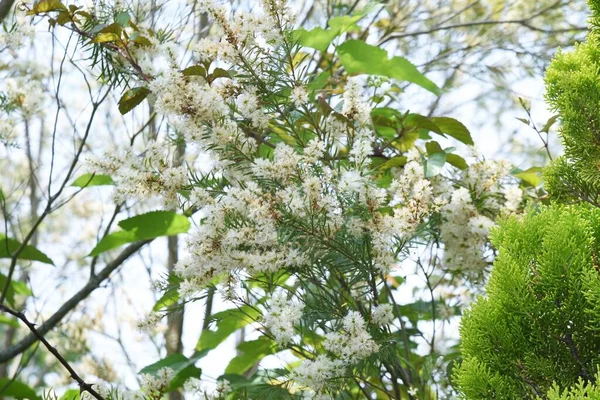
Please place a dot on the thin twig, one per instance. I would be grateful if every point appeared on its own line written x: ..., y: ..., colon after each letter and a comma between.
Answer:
x: 83, y: 386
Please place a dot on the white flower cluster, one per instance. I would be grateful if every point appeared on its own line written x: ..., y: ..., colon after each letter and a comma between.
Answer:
x: 244, y: 31
x: 15, y: 37
x: 154, y: 386
x: 465, y: 229
x: 382, y: 314
x: 353, y: 343
x: 354, y: 107
x: 26, y: 94
x: 282, y: 317
x: 195, y: 390
x: 146, y: 175
x: 349, y: 345
x: 251, y: 243
x: 316, y: 374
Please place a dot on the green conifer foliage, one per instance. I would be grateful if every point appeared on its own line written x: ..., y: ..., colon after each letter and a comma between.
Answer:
x: 537, y: 333
x: 538, y: 328
x: 573, y: 90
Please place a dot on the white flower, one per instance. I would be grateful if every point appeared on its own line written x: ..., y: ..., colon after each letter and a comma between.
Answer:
x: 155, y: 385
x: 314, y: 151
x: 480, y: 225
x: 299, y: 96
x: 283, y: 315
x: 513, y: 196
x: 382, y: 314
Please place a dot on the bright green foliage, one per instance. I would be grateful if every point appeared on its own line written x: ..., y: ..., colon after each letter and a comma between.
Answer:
x: 573, y: 90
x: 582, y: 390
x: 539, y: 324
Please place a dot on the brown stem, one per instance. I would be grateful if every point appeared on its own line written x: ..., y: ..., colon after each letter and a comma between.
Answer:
x: 92, y: 284
x: 83, y: 386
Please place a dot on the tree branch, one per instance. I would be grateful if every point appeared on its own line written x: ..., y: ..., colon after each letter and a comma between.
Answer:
x: 83, y: 386
x: 92, y: 284
x: 5, y: 6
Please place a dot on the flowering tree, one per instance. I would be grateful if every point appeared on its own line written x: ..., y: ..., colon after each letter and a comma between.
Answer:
x: 310, y: 189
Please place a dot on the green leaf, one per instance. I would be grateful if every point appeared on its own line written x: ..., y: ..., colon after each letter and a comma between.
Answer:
x: 123, y: 19
x: 453, y: 128
x: 358, y: 57
x: 170, y: 297
x: 227, y: 322
x: 143, y: 227
x: 17, y: 389
x: 46, y: 6
x: 71, y: 394
x: 88, y: 180
x: 182, y: 367
x: 530, y: 176
x: 419, y: 121
x: 434, y: 164
x: 194, y: 70
x: 433, y: 147
x: 319, y: 81
x: 457, y: 161
x: 9, y: 321
x: 345, y: 23
x: 218, y: 73
x: 132, y: 98
x: 251, y: 352
x: 106, y: 37
x: 316, y: 38
x: 549, y: 123
x: 397, y: 161
x: 8, y: 246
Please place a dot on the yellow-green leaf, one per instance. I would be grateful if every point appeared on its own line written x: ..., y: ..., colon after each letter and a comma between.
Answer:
x: 132, y: 98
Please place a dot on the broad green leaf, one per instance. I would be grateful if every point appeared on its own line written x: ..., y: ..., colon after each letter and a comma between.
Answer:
x: 218, y: 73
x: 319, y: 82
x: 123, y: 19
x: 358, y: 57
x: 397, y: 161
x: 317, y: 38
x: 142, y: 227
x: 406, y: 141
x: 530, y: 176
x: 182, y: 367
x: 457, y: 161
x: 14, y: 288
x: 419, y: 121
x: 194, y: 70
x: 8, y: 246
x: 17, y: 390
x: 251, y: 352
x: 5, y: 320
x: 227, y: 322
x: 88, y: 180
x: 132, y: 98
x: 453, y: 128
x: 170, y: 297
x: 434, y: 164
x: 345, y: 23
x: 433, y: 147
x: 320, y: 39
